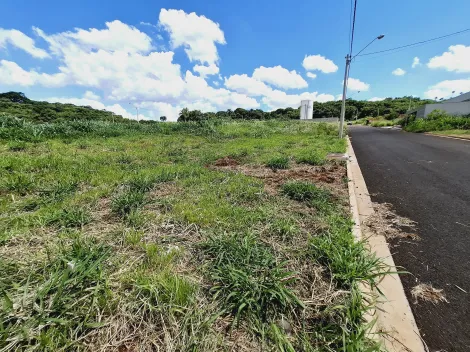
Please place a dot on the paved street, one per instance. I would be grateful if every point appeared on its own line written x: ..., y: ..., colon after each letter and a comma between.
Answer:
x: 427, y: 179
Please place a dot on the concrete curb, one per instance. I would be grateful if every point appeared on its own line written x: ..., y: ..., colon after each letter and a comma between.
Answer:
x: 445, y: 136
x: 395, y: 322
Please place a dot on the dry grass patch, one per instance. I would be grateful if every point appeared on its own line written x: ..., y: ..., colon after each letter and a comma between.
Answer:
x: 428, y: 293
x: 386, y: 222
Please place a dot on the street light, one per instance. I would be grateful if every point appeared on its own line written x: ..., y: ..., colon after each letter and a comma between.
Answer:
x: 345, y: 84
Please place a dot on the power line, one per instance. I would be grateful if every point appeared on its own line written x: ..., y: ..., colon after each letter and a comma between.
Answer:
x: 413, y: 44
x: 350, y: 23
x: 353, y: 27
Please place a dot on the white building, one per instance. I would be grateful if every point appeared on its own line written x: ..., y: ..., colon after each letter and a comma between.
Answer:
x: 306, y: 109
x: 455, y: 106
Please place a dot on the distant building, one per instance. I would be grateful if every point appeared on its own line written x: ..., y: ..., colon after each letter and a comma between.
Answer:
x: 455, y: 106
x: 306, y: 109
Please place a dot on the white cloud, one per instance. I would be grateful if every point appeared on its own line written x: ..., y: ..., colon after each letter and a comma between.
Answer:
x: 356, y: 84
x: 376, y: 99
x: 21, y: 41
x: 457, y: 59
x: 278, y: 99
x: 197, y: 34
x: 311, y: 75
x: 415, y: 62
x: 206, y: 70
x: 339, y: 97
x: 247, y: 85
x: 119, y: 64
x: 319, y: 63
x: 280, y: 77
x: 13, y: 75
x: 90, y: 95
x: 444, y: 89
x: 117, y: 37
x: 398, y: 72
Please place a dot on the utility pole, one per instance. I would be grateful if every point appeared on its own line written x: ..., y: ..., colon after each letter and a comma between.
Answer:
x: 345, y: 88
x: 345, y: 84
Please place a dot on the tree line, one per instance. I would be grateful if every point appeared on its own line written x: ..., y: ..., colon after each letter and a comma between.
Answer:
x: 17, y: 104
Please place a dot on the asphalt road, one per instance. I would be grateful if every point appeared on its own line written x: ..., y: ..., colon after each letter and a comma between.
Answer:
x: 426, y: 179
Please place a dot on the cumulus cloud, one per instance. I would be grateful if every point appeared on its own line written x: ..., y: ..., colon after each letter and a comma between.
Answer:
x: 356, y: 84
x: 280, y: 77
x: 90, y: 95
x: 197, y: 34
x: 398, y: 72
x: 118, y: 64
x: 415, y: 62
x: 444, y: 89
x: 117, y: 36
x: 311, y: 75
x: 376, y: 99
x: 13, y: 75
x: 319, y: 63
x: 21, y: 41
x: 247, y: 85
x: 457, y: 59
x: 206, y: 70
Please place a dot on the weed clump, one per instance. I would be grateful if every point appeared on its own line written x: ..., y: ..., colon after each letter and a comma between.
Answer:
x: 311, y: 158
x: 301, y: 191
x: 58, y: 303
x: 247, y: 279
x: 70, y: 217
x: 278, y: 163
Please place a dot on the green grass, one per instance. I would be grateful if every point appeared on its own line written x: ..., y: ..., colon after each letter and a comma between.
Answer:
x: 127, y: 235
x: 438, y: 120
x: 278, y: 163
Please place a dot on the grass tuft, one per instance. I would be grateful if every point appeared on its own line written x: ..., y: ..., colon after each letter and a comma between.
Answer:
x: 301, y: 191
x: 278, y: 163
x: 126, y: 202
x: 246, y: 278
x: 55, y: 306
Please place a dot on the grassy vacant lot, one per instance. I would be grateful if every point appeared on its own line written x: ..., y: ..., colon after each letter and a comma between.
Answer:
x: 178, y: 237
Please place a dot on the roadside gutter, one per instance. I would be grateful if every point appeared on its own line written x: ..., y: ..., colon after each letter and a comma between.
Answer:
x: 395, y: 324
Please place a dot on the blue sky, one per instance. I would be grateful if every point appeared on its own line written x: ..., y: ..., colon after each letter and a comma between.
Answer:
x: 212, y: 55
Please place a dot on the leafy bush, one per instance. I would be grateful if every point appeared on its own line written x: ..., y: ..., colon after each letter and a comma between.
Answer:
x: 438, y: 120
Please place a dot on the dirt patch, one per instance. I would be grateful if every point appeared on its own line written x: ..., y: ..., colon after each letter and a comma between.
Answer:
x: 386, y: 222
x: 330, y: 176
x: 428, y: 294
x: 226, y: 161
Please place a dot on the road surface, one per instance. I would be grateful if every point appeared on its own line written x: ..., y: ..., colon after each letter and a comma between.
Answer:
x: 426, y: 179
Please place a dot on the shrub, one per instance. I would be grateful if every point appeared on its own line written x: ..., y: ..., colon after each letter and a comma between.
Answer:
x: 278, y: 163
x: 438, y: 120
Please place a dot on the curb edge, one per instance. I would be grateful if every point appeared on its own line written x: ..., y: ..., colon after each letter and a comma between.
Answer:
x: 395, y: 322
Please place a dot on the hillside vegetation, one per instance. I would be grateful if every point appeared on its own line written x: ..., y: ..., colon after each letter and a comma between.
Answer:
x: 16, y: 104
x: 208, y: 236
